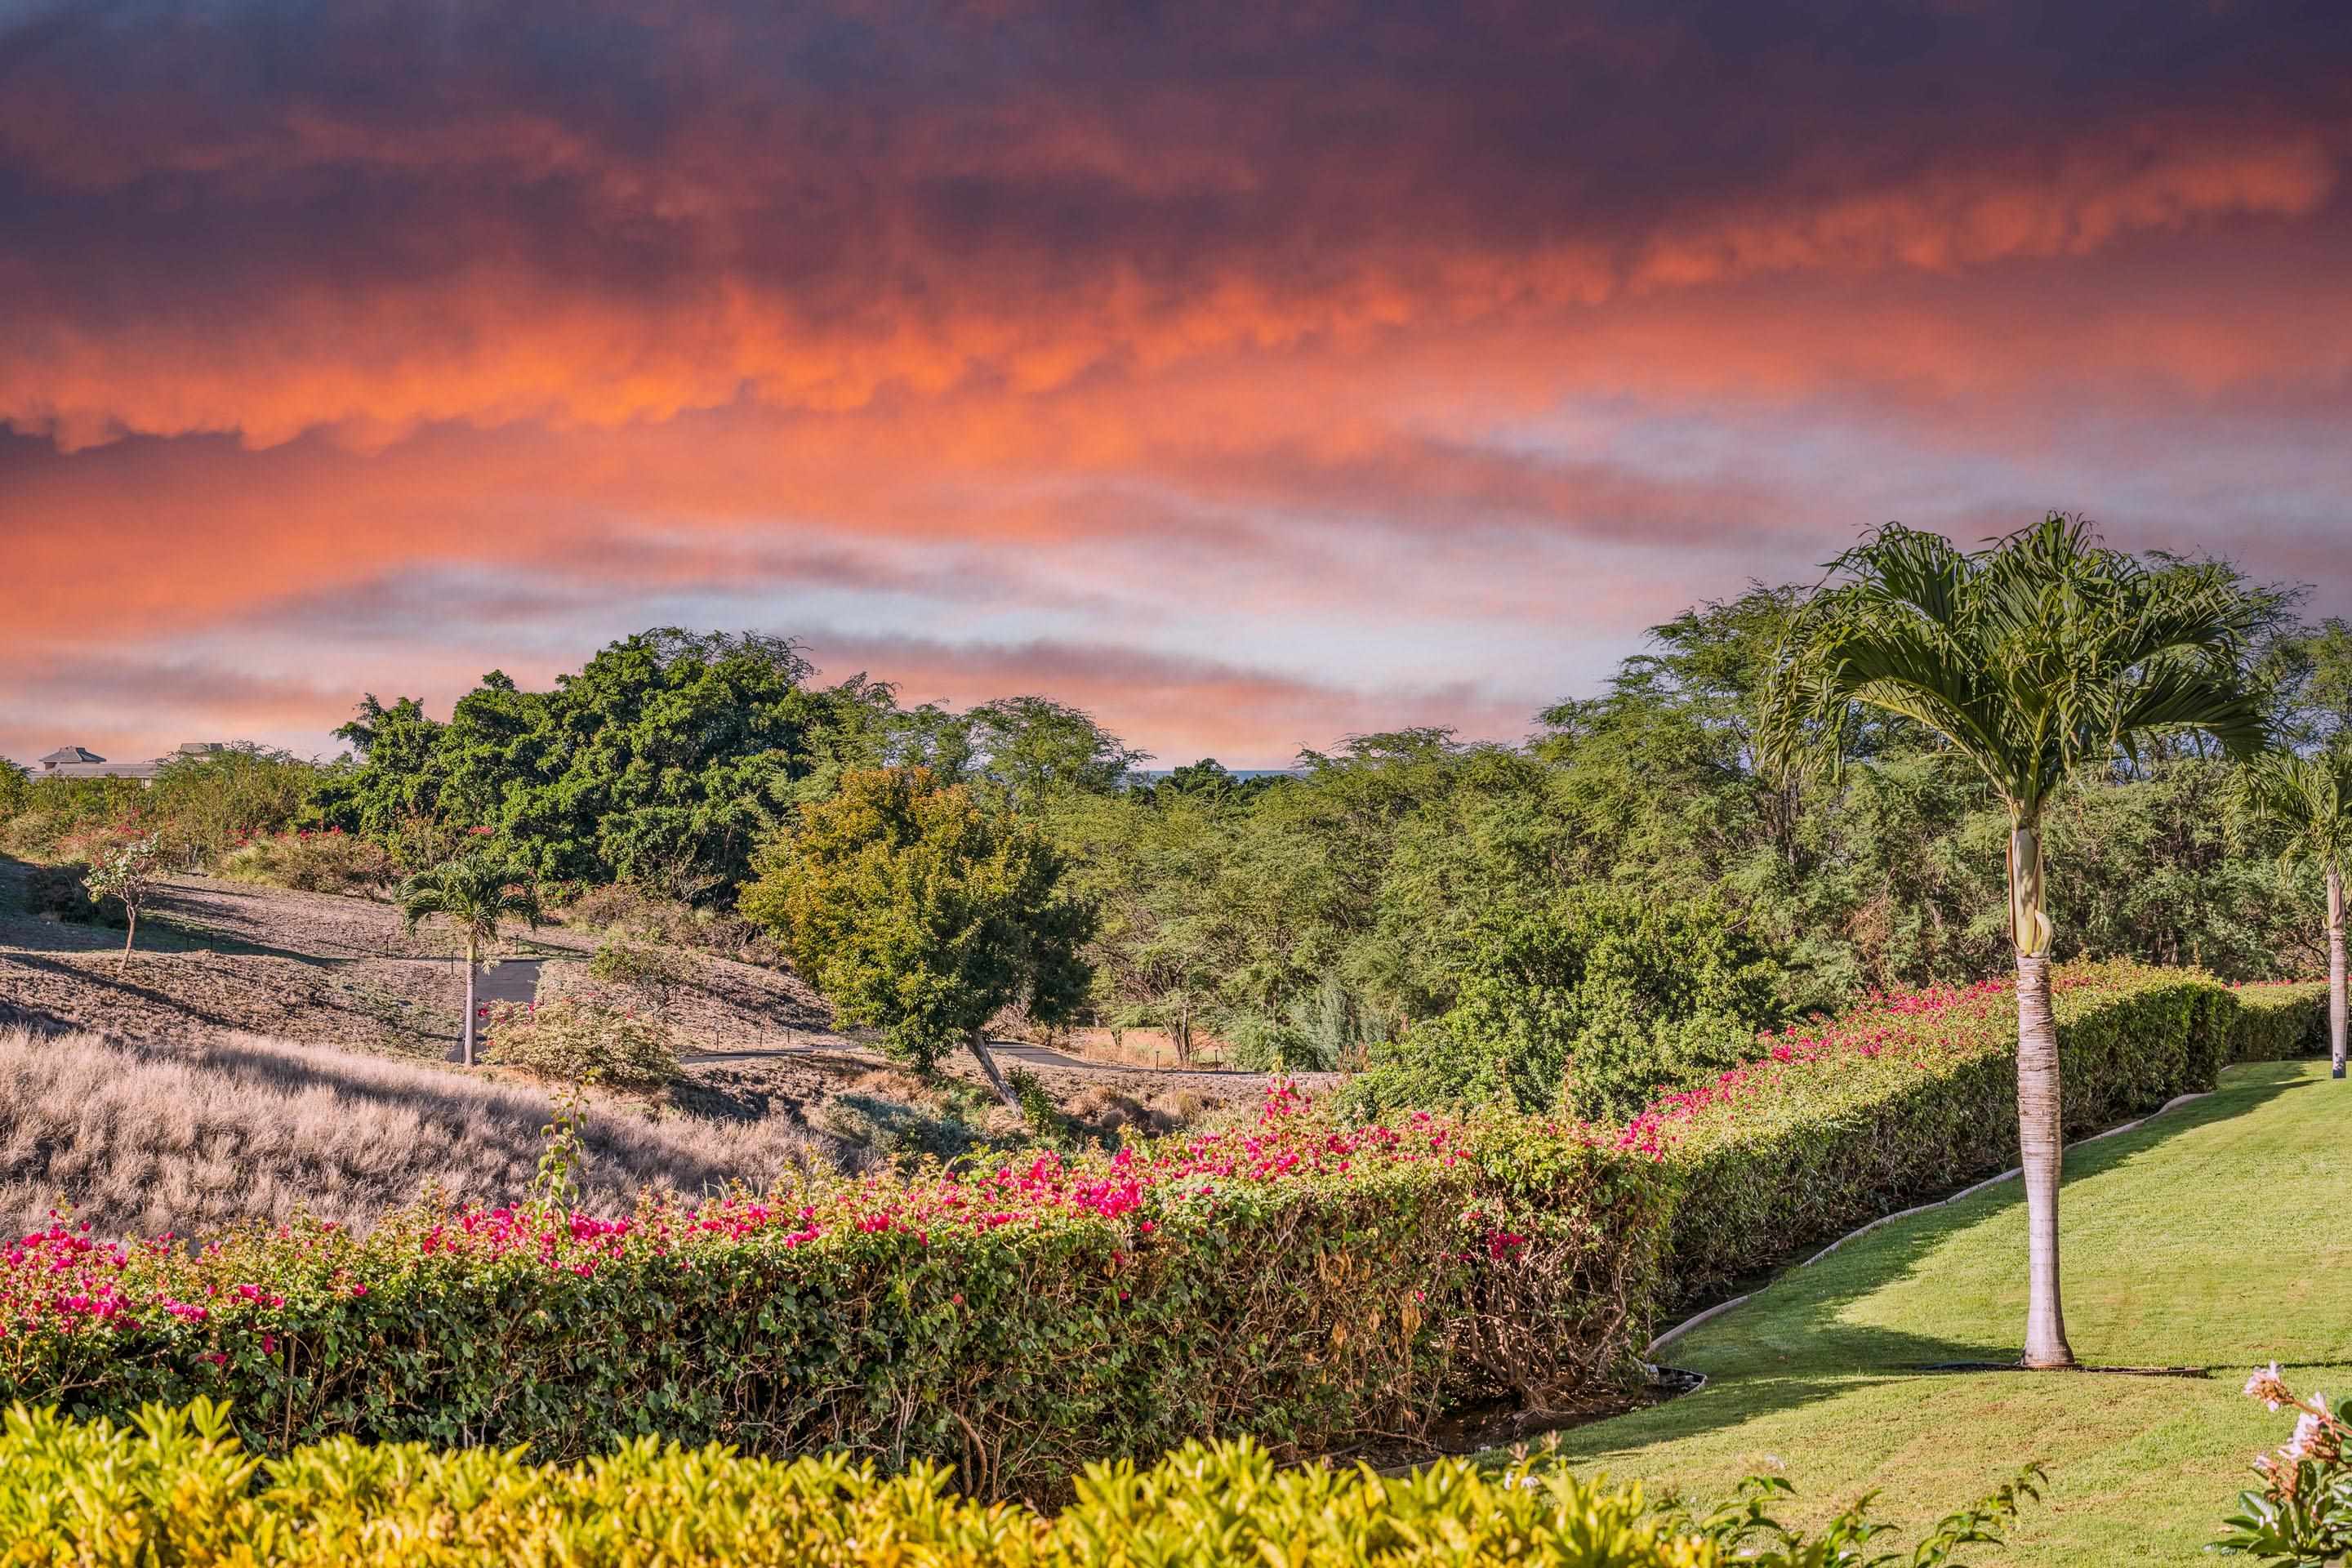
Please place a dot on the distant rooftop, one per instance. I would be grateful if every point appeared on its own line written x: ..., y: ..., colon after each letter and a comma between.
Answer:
x: 81, y: 763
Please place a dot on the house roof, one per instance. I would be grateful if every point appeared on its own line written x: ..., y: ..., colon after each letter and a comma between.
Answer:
x: 70, y: 754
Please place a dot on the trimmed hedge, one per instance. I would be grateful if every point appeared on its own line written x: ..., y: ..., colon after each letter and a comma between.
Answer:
x: 1843, y: 1123
x: 1305, y: 1286
x: 2280, y: 1023
x: 179, y: 1489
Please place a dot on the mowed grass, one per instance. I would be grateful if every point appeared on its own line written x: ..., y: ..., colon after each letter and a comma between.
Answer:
x: 2218, y: 1236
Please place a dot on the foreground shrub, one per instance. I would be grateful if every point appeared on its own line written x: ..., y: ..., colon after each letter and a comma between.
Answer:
x: 2279, y: 1022
x: 177, y: 1488
x: 141, y: 1138
x: 566, y: 1039
x: 328, y: 861
x: 1290, y: 1281
x: 1839, y: 1123
x: 2302, y: 1513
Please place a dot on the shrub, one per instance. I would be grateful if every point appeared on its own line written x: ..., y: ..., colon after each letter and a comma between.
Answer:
x: 2302, y: 1513
x: 62, y: 892
x: 629, y: 912
x: 324, y: 861
x: 1837, y: 1125
x: 177, y: 1488
x: 652, y: 972
x: 564, y: 1039
x: 56, y: 812
x: 1289, y: 1281
x: 2279, y: 1022
x: 1590, y: 1005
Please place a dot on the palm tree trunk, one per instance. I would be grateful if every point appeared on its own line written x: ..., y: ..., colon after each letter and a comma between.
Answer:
x: 2335, y: 970
x: 2042, y: 1151
x: 468, y: 1051
x: 2041, y: 1131
x: 978, y: 1041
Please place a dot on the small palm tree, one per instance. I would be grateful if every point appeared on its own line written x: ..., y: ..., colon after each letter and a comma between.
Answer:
x: 2309, y: 801
x: 2038, y: 655
x: 474, y: 893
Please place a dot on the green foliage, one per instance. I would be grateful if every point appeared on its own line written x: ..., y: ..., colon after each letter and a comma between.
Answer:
x: 124, y: 874
x: 572, y: 1040
x: 174, y: 1485
x: 15, y: 791
x: 474, y: 895
x: 2033, y: 659
x: 662, y: 762
x: 915, y: 910
x: 398, y: 778
x: 1591, y: 1005
x: 2279, y: 1022
x: 1029, y: 750
x: 59, y: 816
x: 206, y: 802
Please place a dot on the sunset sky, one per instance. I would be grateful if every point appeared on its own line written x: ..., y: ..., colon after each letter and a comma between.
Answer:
x: 1248, y: 374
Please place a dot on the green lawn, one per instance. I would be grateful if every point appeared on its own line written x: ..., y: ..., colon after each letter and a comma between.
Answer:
x: 2217, y: 1237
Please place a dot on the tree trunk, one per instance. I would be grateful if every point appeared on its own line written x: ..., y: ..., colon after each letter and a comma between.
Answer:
x: 466, y: 1055
x: 2042, y: 1151
x: 978, y: 1041
x: 131, y: 935
x: 2041, y: 1134
x: 2335, y: 970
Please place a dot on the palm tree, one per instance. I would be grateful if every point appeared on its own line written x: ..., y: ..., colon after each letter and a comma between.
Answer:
x: 2309, y: 800
x: 2040, y: 653
x: 473, y: 892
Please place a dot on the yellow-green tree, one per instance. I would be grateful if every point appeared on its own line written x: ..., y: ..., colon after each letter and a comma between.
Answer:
x: 915, y: 910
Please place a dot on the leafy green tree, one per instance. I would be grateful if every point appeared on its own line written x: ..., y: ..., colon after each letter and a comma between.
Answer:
x: 474, y: 894
x: 664, y: 760
x: 2310, y: 669
x: 127, y: 871
x: 914, y: 909
x: 2306, y: 800
x: 396, y: 774
x: 1592, y: 1004
x: 2037, y: 656
x: 1028, y: 749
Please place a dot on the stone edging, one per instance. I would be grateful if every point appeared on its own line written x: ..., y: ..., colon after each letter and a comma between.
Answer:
x: 1679, y: 1330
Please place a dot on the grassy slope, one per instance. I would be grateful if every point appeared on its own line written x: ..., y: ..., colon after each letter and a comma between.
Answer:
x: 2216, y: 1236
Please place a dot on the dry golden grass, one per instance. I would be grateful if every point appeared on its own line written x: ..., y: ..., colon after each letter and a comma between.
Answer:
x: 141, y: 1138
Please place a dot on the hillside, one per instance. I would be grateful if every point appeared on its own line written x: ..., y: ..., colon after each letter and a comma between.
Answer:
x: 2214, y: 1236
x: 259, y: 1030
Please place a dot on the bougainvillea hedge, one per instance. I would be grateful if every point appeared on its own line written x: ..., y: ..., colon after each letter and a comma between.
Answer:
x: 1295, y: 1282
x: 1913, y: 1096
